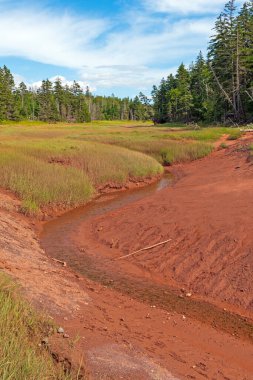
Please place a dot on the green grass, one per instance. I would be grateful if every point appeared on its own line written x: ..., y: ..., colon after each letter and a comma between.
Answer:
x: 223, y: 145
x: 251, y: 152
x: 58, y: 173
x: 40, y: 184
x: 52, y: 165
x: 169, y: 152
x: 21, y: 331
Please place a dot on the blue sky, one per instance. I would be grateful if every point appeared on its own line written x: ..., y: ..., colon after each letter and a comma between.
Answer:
x: 114, y: 46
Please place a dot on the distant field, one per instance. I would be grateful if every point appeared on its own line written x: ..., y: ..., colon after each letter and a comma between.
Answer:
x: 64, y: 164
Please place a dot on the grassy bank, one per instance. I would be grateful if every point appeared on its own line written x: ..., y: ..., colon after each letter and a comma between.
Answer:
x: 21, y: 331
x: 59, y: 173
x: 63, y: 164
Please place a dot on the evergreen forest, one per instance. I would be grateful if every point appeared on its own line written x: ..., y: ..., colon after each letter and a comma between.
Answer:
x: 213, y: 89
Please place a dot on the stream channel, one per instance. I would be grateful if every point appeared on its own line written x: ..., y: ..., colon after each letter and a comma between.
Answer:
x: 56, y: 240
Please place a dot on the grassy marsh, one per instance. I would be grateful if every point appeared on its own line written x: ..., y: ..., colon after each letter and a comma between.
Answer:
x: 64, y: 164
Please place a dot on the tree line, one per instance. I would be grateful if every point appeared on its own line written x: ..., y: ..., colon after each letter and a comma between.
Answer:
x: 54, y: 102
x: 219, y: 87
x: 216, y: 88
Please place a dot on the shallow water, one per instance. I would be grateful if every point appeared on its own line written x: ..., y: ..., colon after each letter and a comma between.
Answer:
x: 103, y: 204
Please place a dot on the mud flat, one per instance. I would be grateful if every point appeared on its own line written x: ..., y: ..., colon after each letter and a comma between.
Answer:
x: 116, y: 329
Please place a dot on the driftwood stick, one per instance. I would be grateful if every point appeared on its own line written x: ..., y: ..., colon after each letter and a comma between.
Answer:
x: 60, y: 262
x: 143, y: 249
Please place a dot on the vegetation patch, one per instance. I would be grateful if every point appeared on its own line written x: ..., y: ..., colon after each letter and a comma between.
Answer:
x: 40, y: 184
x: 63, y: 164
x: 223, y: 145
x: 21, y: 332
x: 250, y: 156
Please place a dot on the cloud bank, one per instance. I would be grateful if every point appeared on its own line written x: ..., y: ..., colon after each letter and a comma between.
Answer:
x: 186, y: 6
x: 132, y: 49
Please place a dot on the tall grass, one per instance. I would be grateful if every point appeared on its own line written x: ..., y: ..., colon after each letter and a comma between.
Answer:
x: 63, y: 164
x: 165, y: 151
x: 115, y: 136
x: 182, y: 152
x: 52, y: 174
x: 41, y: 184
x: 101, y: 163
x: 21, y: 331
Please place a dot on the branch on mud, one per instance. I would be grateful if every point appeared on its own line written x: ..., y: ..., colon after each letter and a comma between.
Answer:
x: 143, y: 249
x: 60, y: 262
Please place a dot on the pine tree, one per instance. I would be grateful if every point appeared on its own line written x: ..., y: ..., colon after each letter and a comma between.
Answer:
x: 47, y: 106
x: 7, y: 104
x: 200, y: 77
x: 184, y: 104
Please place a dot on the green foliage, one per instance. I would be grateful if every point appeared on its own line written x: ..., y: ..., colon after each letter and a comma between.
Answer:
x: 61, y: 165
x: 175, y: 153
x: 21, y: 331
x: 7, y: 106
x: 44, y: 166
x: 219, y: 88
x: 53, y: 102
x: 42, y: 184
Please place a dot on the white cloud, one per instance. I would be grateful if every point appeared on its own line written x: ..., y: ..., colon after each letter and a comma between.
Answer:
x: 131, y: 56
x: 140, y: 77
x: 18, y: 78
x: 186, y: 6
x: 48, y: 37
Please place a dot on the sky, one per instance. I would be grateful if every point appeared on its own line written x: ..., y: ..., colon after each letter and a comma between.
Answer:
x: 113, y: 46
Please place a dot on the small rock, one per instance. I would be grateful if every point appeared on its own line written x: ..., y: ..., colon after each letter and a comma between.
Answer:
x: 184, y: 317
x: 44, y: 341
x: 66, y: 336
x: 60, y: 330
x: 188, y: 294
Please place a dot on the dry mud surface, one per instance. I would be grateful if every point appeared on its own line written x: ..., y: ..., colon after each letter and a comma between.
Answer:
x: 208, y: 215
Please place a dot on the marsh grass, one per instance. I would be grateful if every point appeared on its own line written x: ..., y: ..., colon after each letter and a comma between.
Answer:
x: 21, y: 331
x: 181, y: 152
x: 171, y: 152
x: 120, y: 135
x: 63, y: 164
x: 101, y: 163
x: 58, y: 173
x: 40, y: 184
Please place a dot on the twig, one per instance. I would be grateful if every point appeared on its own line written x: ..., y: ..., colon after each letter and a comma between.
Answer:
x: 143, y: 249
x: 60, y: 262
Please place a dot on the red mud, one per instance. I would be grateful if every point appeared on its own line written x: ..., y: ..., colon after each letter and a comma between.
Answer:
x: 208, y: 216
